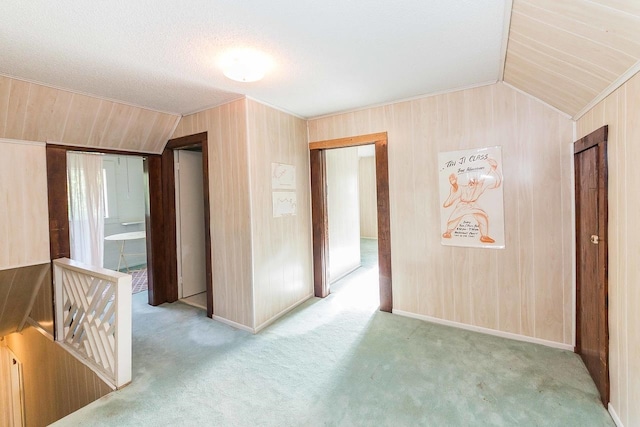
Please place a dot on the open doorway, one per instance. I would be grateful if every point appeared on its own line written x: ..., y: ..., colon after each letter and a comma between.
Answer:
x: 320, y: 214
x: 107, y: 213
x: 190, y: 228
x: 125, y: 247
x: 194, y: 150
x: 353, y: 227
x: 160, y: 222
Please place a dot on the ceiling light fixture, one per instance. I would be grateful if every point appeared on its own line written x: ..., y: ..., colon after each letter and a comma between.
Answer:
x: 244, y: 65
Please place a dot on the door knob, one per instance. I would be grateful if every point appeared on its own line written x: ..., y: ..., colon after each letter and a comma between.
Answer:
x: 595, y: 239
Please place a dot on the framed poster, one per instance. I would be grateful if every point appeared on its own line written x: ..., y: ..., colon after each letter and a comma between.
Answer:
x: 471, y: 198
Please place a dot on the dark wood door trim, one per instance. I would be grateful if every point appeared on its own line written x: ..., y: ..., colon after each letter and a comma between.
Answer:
x: 157, y: 277
x: 320, y: 223
x: 384, y: 225
x: 59, y: 244
x: 595, y: 140
x: 319, y: 213
x: 169, y: 208
x: 350, y: 141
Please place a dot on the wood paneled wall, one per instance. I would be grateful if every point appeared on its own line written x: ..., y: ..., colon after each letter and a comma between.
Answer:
x: 368, y: 199
x: 343, y: 211
x: 620, y: 111
x: 226, y: 127
x: 524, y: 289
x: 34, y: 112
x: 5, y: 384
x: 24, y: 212
x: 568, y: 52
x: 55, y: 383
x: 42, y: 310
x: 19, y: 289
x: 282, y: 275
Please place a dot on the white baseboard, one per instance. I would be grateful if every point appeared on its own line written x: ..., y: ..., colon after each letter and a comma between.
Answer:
x: 233, y: 324
x: 614, y: 415
x: 282, y: 313
x: 346, y: 273
x: 487, y: 331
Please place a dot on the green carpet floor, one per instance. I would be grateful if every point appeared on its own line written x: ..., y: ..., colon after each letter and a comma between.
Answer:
x: 338, y: 362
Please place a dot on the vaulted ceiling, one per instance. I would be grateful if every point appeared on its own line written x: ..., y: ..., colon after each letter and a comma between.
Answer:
x: 326, y: 56
x: 567, y: 53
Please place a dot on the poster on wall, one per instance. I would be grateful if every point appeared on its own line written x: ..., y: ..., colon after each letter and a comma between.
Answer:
x: 283, y: 176
x: 284, y: 203
x: 471, y: 198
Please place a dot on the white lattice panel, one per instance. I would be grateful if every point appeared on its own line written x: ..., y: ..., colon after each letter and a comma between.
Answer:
x: 94, y: 317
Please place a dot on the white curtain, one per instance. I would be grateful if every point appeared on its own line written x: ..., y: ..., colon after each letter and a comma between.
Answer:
x: 86, y: 207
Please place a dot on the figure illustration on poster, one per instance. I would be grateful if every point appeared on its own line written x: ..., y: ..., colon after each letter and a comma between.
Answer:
x: 465, y: 198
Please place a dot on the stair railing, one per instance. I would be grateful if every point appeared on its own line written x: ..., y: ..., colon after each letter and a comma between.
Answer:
x: 93, y: 317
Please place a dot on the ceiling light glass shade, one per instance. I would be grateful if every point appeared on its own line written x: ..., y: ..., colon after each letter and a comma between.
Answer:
x: 244, y: 65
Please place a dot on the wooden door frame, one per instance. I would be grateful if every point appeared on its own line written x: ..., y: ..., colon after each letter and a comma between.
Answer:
x: 169, y: 211
x: 597, y: 138
x: 160, y: 218
x: 320, y: 220
x: 59, y: 241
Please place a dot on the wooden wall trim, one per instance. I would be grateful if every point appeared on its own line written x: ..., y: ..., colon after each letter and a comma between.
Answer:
x: 319, y: 213
x: 154, y: 226
x: 195, y: 140
x: 594, y: 138
x: 384, y: 225
x: 320, y: 223
x: 112, y: 151
x: 59, y: 244
x: 348, y: 142
x: 169, y: 237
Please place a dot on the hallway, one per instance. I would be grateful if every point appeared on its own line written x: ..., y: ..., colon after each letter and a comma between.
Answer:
x: 329, y: 363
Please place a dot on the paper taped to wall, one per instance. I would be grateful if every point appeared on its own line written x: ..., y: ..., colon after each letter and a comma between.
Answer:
x: 284, y: 203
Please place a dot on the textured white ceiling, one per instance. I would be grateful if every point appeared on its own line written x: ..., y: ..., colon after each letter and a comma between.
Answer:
x: 329, y: 56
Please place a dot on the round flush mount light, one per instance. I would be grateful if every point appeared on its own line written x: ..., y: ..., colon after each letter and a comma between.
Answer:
x: 244, y: 65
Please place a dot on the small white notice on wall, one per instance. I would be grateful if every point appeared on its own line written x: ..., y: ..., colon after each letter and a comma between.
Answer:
x: 471, y: 199
x: 283, y: 177
x: 284, y: 203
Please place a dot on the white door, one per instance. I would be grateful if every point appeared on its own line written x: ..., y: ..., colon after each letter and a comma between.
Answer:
x: 190, y: 223
x: 16, y: 392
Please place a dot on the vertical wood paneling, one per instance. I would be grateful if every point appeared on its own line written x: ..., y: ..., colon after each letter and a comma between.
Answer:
x: 18, y: 290
x: 17, y: 109
x: 478, y: 111
x: 33, y: 112
x: 55, y: 383
x: 282, y: 275
x: 400, y: 151
x: 23, y: 205
x: 5, y: 91
x: 567, y: 53
x: 41, y: 103
x: 520, y: 289
x: 620, y: 112
x: 42, y: 311
x: 230, y: 207
x: 367, y: 195
x: 508, y: 261
x: 427, y: 129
